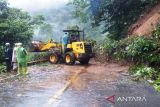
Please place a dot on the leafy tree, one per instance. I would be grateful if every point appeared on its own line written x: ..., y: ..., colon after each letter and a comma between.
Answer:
x: 3, y: 5
x: 16, y: 25
x: 118, y: 15
x: 46, y: 31
x: 80, y: 10
x: 38, y: 20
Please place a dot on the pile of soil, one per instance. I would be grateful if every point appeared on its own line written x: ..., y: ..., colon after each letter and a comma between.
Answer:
x: 146, y: 23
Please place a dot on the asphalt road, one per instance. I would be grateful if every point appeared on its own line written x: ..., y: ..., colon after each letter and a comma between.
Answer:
x: 76, y: 86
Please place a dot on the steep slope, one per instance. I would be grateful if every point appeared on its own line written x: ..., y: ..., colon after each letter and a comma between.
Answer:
x: 146, y: 23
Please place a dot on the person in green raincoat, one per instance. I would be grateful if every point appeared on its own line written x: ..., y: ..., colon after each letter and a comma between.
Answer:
x: 21, y: 59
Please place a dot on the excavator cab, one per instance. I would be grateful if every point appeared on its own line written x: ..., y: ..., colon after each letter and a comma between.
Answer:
x: 74, y: 35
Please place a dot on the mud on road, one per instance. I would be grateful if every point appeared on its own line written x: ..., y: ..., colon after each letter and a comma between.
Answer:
x: 69, y: 86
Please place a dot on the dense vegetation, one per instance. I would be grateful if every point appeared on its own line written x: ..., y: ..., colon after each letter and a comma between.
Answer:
x: 118, y: 15
x: 16, y: 26
x: 111, y: 16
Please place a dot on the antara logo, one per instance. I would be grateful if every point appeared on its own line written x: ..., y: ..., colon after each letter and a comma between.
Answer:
x: 112, y: 99
x: 130, y: 98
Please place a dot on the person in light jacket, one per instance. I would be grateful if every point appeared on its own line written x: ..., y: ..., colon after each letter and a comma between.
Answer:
x: 14, y: 57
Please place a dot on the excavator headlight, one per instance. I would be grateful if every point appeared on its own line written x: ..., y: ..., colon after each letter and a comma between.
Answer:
x: 81, y: 46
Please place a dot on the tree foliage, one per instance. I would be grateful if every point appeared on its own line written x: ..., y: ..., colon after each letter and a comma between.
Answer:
x: 15, y: 25
x: 118, y: 15
x: 38, y: 20
x: 80, y: 10
x: 46, y: 31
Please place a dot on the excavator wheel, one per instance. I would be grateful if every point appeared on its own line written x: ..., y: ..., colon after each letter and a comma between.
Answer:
x: 84, y: 61
x: 69, y: 58
x: 54, y: 58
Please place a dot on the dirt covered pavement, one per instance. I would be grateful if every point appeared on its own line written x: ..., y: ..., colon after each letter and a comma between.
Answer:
x: 71, y: 86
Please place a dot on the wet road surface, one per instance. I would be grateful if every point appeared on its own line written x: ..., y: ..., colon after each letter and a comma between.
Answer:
x: 72, y: 86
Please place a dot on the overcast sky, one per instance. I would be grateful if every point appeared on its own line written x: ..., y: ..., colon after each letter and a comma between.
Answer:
x: 34, y: 5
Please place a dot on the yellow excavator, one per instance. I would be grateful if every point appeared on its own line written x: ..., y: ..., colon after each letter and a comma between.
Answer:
x: 76, y: 50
